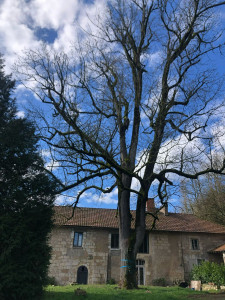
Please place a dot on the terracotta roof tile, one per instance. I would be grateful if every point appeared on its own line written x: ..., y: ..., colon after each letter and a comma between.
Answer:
x: 219, y: 249
x: 108, y: 218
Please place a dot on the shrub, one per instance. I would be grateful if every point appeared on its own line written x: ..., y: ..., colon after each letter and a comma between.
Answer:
x: 50, y: 281
x: 159, y: 282
x: 209, y: 272
x: 111, y: 281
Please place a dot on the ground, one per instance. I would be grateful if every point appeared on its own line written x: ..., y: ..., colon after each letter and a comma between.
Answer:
x: 112, y: 292
x: 220, y: 296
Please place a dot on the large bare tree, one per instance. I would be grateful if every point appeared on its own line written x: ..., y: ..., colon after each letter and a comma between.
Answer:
x: 132, y: 102
x: 205, y: 196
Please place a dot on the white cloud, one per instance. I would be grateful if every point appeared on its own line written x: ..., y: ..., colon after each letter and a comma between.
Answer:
x: 20, y: 19
x: 111, y: 198
x: 15, y: 33
x: 155, y: 58
x: 20, y: 114
x: 53, y: 14
x: 46, y: 153
x: 62, y: 200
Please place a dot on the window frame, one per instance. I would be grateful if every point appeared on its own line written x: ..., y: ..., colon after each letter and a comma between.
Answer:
x: 79, y: 243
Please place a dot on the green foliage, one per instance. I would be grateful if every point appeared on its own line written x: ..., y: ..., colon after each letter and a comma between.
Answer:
x: 111, y: 292
x: 50, y: 281
x: 26, y: 204
x: 209, y: 272
x: 159, y: 282
x: 111, y: 281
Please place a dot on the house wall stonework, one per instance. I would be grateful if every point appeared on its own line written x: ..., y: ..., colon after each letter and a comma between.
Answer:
x: 66, y: 259
x: 170, y: 255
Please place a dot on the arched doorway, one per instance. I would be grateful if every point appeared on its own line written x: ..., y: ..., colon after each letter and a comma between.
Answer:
x: 82, y: 275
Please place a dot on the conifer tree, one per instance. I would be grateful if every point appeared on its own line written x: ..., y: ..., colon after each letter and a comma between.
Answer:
x: 26, y: 203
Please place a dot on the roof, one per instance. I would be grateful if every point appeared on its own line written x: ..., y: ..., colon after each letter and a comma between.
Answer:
x: 219, y: 249
x: 108, y: 218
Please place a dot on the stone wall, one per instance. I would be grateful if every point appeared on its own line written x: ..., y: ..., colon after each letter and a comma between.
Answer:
x: 170, y: 255
x: 66, y: 259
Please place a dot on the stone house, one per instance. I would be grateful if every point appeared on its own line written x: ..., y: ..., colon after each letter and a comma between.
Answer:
x: 85, y: 246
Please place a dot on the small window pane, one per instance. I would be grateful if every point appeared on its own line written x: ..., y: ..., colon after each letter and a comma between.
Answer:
x: 140, y: 262
x: 114, y: 240
x: 141, y: 276
x: 194, y: 244
x: 78, y: 238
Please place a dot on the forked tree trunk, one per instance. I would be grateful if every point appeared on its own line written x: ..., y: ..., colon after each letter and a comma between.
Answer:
x: 130, y: 240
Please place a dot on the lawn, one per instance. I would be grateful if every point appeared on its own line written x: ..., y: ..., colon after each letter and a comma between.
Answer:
x: 111, y: 292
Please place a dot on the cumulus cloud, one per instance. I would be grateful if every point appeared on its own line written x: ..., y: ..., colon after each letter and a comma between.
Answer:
x: 62, y: 200
x: 110, y: 198
x: 21, y: 20
x: 53, y: 14
x: 15, y: 32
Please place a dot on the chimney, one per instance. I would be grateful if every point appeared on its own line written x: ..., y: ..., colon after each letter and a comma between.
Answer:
x: 164, y: 210
x: 150, y: 205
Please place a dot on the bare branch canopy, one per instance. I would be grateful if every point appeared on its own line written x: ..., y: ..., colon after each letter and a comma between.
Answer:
x: 136, y: 100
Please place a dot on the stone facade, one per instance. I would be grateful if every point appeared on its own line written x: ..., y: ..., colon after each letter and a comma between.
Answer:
x: 171, y: 255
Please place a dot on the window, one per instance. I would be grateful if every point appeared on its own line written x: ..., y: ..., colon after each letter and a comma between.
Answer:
x: 78, y: 239
x: 144, y: 247
x: 115, y: 241
x: 140, y: 262
x: 140, y: 271
x: 195, y: 244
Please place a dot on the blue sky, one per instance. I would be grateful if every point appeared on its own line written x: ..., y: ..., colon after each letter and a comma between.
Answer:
x: 26, y: 24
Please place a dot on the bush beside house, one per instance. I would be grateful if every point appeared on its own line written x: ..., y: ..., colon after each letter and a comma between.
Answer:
x: 209, y: 272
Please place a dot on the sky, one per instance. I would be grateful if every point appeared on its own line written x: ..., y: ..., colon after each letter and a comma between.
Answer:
x: 25, y: 24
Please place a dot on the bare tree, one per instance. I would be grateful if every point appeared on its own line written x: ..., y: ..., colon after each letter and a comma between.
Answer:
x: 118, y: 115
x: 204, y: 197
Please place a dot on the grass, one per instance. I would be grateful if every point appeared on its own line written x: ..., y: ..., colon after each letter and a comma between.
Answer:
x: 111, y: 292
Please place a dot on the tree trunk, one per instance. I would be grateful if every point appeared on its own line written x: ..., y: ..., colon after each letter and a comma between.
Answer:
x: 130, y: 240
x: 127, y: 238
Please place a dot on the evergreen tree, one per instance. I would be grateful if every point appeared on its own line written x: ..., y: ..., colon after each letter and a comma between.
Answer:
x: 26, y: 203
